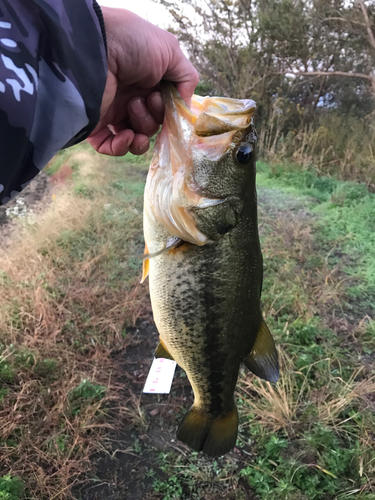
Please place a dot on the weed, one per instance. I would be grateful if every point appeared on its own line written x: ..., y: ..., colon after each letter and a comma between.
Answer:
x: 46, y: 368
x: 133, y: 413
x: 7, y: 373
x: 171, y: 489
x: 11, y: 488
x: 58, y: 445
x: 3, y: 393
x: 85, y: 393
x: 310, y: 474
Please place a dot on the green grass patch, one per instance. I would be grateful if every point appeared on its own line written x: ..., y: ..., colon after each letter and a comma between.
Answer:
x: 316, y: 466
x: 84, y: 394
x: 11, y: 488
x: 346, y: 222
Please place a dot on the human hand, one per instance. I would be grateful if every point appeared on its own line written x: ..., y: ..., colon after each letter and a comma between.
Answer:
x: 139, y: 56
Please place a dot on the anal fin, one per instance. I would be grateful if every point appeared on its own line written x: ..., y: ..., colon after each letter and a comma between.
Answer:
x: 162, y: 352
x: 263, y: 359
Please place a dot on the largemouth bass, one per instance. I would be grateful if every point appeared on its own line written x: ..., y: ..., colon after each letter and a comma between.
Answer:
x: 204, y: 260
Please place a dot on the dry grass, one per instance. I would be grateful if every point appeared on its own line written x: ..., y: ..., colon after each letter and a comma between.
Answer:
x: 60, y: 319
x: 314, y: 286
x: 312, y: 291
x: 281, y: 405
x: 274, y: 406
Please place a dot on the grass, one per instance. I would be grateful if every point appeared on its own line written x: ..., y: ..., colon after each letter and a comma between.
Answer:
x: 70, y: 363
x: 68, y: 290
x: 313, y: 431
x: 346, y: 218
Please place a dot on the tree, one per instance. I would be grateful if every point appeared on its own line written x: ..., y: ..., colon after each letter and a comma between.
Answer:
x: 249, y: 46
x: 309, y: 65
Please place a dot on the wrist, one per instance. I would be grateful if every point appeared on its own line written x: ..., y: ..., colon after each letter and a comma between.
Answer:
x: 99, y: 14
x: 118, y: 35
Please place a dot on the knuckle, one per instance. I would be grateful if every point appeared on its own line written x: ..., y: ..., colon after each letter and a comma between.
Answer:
x: 173, y: 43
x: 173, y: 39
x: 195, y: 77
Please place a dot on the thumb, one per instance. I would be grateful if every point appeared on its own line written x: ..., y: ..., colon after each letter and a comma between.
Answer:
x: 183, y: 74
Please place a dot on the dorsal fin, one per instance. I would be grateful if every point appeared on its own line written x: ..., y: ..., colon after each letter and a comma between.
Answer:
x: 263, y: 358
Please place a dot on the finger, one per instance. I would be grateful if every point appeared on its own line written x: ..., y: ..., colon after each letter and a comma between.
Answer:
x: 156, y: 106
x: 183, y: 74
x: 186, y: 90
x: 107, y: 143
x: 140, y: 117
x: 139, y: 145
x: 116, y: 129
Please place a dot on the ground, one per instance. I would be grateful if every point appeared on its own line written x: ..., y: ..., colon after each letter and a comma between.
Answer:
x: 77, y: 339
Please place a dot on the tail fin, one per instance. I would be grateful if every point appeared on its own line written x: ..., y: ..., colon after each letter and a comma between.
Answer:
x: 204, y: 432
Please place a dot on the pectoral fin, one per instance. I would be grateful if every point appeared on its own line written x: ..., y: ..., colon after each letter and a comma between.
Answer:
x: 172, y: 242
x: 145, y: 265
x: 263, y: 358
x: 162, y: 352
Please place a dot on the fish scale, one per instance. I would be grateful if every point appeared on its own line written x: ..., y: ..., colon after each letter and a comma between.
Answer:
x: 206, y: 292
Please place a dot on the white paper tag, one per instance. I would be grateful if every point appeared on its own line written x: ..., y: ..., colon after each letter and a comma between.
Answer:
x: 160, y: 376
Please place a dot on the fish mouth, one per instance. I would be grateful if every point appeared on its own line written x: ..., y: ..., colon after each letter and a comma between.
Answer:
x: 210, y: 126
x: 218, y: 115
x: 208, y: 116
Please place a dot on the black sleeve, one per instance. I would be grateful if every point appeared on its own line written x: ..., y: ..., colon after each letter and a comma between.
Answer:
x: 53, y: 70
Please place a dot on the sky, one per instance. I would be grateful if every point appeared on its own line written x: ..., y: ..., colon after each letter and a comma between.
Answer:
x: 151, y: 11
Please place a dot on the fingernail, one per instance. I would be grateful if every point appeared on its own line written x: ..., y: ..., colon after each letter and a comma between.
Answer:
x: 156, y: 102
x: 138, y: 107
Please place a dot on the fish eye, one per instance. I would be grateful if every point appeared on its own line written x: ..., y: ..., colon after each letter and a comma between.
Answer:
x: 244, y: 154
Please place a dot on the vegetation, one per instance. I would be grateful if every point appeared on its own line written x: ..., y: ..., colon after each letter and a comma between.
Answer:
x: 11, y: 488
x: 308, y: 64
x: 68, y: 290
x: 69, y: 351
